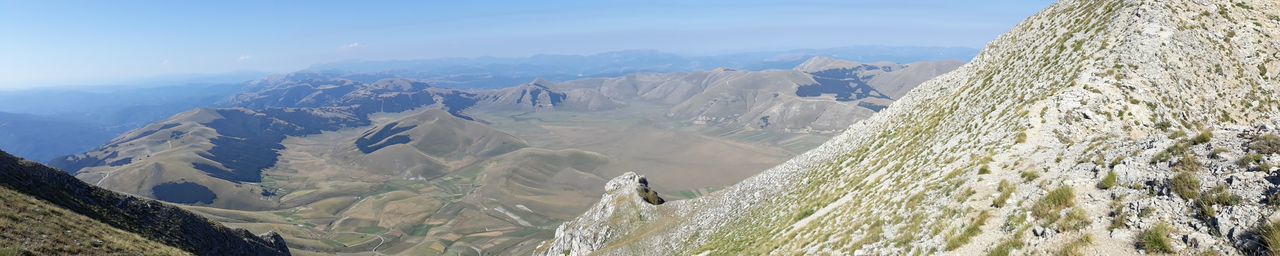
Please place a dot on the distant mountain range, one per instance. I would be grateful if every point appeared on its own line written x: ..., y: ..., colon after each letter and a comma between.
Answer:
x: 534, y: 153
x: 98, y: 113
x: 494, y: 72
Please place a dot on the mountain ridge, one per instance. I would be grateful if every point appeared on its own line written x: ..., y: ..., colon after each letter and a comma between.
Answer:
x: 153, y: 220
x: 1081, y: 91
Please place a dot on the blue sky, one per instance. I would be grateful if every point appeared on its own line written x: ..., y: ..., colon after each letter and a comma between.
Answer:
x: 45, y: 43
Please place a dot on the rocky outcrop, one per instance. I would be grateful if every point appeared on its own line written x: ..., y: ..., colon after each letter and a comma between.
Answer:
x: 623, y: 213
x: 1094, y: 127
x: 150, y: 219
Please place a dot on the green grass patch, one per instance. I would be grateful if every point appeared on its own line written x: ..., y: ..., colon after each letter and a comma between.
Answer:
x: 1219, y: 195
x: 1109, y: 181
x: 1249, y: 160
x: 1155, y: 239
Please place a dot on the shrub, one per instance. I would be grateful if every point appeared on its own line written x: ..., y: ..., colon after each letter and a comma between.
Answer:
x: 1177, y: 134
x: 1053, y: 203
x: 984, y: 170
x: 1185, y: 185
x: 1266, y: 144
x: 1021, y: 137
x: 1270, y: 234
x: 1109, y: 181
x: 1163, y: 125
x: 1155, y: 239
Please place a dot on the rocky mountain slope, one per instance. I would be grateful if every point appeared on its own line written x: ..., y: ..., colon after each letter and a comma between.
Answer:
x: 50, y: 212
x: 1094, y: 127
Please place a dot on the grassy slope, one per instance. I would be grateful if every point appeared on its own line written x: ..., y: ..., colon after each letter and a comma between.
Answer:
x: 31, y: 225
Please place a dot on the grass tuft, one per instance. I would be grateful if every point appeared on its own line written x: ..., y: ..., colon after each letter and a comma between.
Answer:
x: 1155, y: 239
x: 1006, y: 248
x: 1006, y: 190
x: 969, y: 232
x: 1202, y: 138
x: 1270, y: 234
x: 1266, y: 144
x: 1220, y: 196
x: 1119, y: 216
x: 1185, y: 185
x: 1049, y: 207
x: 1074, y: 247
x: 1109, y: 181
x: 1249, y: 159
x: 1030, y: 176
x: 1076, y: 219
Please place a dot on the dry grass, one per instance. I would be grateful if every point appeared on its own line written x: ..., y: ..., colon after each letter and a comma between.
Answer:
x: 31, y: 225
x: 1155, y: 239
x: 1006, y: 190
x: 1052, y: 204
x: 1073, y: 248
x: 1109, y: 181
x: 1076, y: 219
x: 1266, y: 144
x: 969, y: 232
x: 1270, y: 234
x: 1185, y: 185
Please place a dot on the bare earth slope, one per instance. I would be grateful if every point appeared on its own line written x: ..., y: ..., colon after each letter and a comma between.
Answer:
x: 1116, y: 127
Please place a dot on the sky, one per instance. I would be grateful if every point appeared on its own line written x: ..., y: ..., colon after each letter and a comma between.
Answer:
x: 55, y: 43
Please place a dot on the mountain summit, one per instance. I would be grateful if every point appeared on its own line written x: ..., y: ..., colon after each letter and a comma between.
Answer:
x: 1092, y: 127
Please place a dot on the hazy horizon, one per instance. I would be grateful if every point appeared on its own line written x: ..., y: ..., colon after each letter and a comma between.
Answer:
x: 90, y: 43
